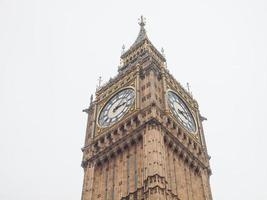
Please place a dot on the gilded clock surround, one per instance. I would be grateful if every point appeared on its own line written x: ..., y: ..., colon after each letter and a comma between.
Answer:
x: 173, y: 85
x: 132, y: 106
x: 106, y: 95
x: 147, y: 154
x: 192, y: 112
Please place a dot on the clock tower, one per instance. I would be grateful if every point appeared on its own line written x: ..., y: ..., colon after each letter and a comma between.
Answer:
x: 144, y: 138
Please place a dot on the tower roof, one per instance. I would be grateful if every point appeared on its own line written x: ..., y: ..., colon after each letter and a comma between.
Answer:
x: 142, y: 36
x: 142, y: 39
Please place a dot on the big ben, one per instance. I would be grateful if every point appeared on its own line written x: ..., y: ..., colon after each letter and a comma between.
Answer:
x: 144, y: 137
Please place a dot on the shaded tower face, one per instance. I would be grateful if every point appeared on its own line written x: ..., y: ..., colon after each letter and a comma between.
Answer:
x: 144, y: 137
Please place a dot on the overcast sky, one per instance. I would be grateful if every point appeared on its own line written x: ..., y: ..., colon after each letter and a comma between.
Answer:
x: 52, y: 52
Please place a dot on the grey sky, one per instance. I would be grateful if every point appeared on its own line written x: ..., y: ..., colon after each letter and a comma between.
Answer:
x: 52, y: 52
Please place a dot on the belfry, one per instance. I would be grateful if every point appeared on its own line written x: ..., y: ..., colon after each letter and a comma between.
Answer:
x: 144, y: 137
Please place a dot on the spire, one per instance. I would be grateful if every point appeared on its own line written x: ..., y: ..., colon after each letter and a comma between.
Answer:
x: 140, y: 40
x: 142, y: 33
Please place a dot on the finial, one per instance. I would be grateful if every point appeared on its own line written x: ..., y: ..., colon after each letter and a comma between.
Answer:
x: 91, y: 99
x: 162, y: 52
x: 142, y: 22
x: 123, y: 49
x: 188, y: 87
x: 99, y: 81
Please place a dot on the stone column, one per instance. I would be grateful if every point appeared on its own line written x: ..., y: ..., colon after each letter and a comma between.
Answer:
x: 87, y: 193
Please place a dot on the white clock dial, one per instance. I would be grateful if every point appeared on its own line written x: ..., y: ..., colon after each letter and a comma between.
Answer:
x: 181, y: 111
x: 116, y: 107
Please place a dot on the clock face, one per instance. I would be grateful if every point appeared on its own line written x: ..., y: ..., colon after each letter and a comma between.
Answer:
x: 116, y: 107
x: 181, y: 111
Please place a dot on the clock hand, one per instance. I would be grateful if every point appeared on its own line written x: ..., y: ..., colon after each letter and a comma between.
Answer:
x: 123, y: 98
x: 118, y: 106
x: 183, y: 113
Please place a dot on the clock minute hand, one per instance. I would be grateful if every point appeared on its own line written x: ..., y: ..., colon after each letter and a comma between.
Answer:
x: 118, y: 106
x: 123, y: 97
x: 183, y: 113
